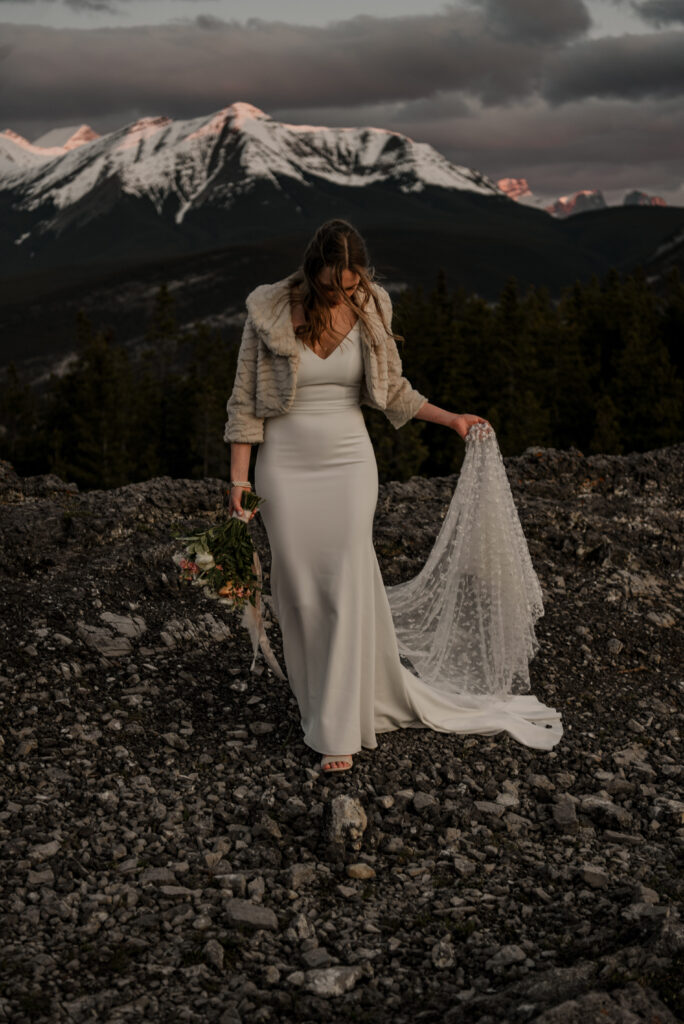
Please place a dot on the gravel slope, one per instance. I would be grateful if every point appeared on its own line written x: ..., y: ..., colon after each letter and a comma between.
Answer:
x: 170, y: 852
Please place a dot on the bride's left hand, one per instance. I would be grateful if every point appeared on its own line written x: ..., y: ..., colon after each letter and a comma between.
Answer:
x: 462, y: 422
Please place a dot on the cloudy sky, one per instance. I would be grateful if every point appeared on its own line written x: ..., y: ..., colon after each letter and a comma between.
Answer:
x: 567, y: 93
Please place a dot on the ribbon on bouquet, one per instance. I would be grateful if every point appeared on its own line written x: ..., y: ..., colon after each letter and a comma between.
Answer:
x: 253, y: 620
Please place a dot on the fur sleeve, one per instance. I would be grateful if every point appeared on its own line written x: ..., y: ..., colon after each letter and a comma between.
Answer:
x: 243, y: 426
x: 403, y: 400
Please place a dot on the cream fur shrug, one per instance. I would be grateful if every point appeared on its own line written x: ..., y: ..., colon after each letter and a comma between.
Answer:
x: 268, y: 358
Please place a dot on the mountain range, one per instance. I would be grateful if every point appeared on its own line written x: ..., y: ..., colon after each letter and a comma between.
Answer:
x: 163, y: 187
x: 217, y: 204
x: 578, y: 202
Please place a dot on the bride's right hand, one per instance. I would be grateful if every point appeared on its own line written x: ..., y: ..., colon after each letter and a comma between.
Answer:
x: 235, y: 502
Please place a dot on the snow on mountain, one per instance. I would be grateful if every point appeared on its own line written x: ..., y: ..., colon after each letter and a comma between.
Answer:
x: 213, y: 159
x: 519, y: 190
x: 578, y: 202
x: 67, y: 138
x: 18, y: 155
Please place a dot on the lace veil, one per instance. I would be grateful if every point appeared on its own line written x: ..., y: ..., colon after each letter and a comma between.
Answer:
x: 466, y: 621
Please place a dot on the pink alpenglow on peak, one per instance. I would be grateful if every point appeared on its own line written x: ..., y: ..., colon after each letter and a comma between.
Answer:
x: 80, y: 137
x: 579, y: 202
x: 31, y: 147
x: 142, y: 129
x: 237, y: 115
x: 242, y: 112
x: 514, y: 188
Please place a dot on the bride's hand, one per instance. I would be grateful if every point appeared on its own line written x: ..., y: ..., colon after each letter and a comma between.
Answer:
x: 462, y: 422
x: 235, y: 503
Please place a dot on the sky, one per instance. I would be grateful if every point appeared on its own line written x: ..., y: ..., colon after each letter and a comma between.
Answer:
x: 568, y: 94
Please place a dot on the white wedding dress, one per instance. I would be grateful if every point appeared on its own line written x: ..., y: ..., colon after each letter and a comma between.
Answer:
x: 465, y: 622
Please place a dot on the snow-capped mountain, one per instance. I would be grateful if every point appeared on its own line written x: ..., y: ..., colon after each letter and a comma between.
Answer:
x: 162, y: 158
x: 578, y: 202
x: 19, y: 156
x: 191, y: 174
x: 638, y: 198
x: 519, y: 190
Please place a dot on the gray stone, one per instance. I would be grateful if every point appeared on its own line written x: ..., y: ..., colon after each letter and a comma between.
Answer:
x: 104, y: 641
x: 252, y: 914
x: 594, y: 876
x: 604, y: 810
x: 564, y: 814
x: 507, y: 955
x: 299, y: 875
x: 316, y: 957
x: 347, y: 819
x: 464, y: 866
x: 127, y: 625
x: 360, y: 870
x: 422, y: 800
x: 494, y: 810
x: 332, y: 981
x: 214, y: 953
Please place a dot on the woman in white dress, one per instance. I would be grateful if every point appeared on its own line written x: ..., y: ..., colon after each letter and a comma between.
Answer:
x: 316, y: 468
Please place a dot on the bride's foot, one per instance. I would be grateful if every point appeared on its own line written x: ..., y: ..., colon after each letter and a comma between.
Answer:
x: 336, y: 762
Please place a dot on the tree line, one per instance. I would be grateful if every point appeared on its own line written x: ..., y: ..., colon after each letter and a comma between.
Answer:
x: 600, y: 369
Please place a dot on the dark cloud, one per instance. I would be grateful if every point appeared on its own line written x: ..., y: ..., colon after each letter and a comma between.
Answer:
x: 91, y: 5
x: 614, y: 145
x: 204, y: 64
x: 546, y: 20
x: 628, y: 66
x: 661, y: 12
x: 95, y: 5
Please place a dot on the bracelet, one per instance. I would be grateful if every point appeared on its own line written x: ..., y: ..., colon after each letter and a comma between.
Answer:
x: 240, y: 483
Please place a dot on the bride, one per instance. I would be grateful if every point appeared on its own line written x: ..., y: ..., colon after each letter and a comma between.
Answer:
x: 316, y: 346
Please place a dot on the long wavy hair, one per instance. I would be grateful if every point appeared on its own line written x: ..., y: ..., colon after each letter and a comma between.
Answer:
x: 336, y: 244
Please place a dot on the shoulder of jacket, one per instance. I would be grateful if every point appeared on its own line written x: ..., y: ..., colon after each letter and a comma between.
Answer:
x: 383, y: 298
x: 385, y: 303
x: 265, y: 303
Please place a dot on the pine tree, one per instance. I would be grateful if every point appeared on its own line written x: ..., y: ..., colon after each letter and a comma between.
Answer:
x: 160, y: 396
x: 208, y: 382
x: 19, y: 414
x: 606, y: 436
x: 648, y: 394
x: 88, y: 415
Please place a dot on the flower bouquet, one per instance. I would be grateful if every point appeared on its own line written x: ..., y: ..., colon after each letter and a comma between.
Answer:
x: 224, y: 562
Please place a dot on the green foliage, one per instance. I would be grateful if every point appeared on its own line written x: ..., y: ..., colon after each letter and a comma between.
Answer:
x: 601, y: 369
x: 230, y: 546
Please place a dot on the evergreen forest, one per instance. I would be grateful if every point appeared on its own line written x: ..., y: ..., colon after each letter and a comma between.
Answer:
x: 601, y: 369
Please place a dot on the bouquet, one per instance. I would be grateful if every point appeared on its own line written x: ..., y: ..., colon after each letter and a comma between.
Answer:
x: 224, y: 562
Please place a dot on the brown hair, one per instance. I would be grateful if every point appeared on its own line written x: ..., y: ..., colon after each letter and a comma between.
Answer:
x: 338, y: 245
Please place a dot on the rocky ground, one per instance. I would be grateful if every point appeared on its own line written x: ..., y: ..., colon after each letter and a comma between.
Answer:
x: 169, y: 850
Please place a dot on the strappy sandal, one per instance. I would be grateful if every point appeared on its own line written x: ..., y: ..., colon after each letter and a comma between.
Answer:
x: 329, y: 758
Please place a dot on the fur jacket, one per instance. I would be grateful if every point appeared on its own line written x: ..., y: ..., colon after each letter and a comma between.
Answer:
x: 268, y: 358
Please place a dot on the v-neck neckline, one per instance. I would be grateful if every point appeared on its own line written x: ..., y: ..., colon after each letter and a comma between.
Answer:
x: 324, y: 359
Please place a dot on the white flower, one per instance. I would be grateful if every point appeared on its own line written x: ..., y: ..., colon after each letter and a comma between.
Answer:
x: 204, y: 560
